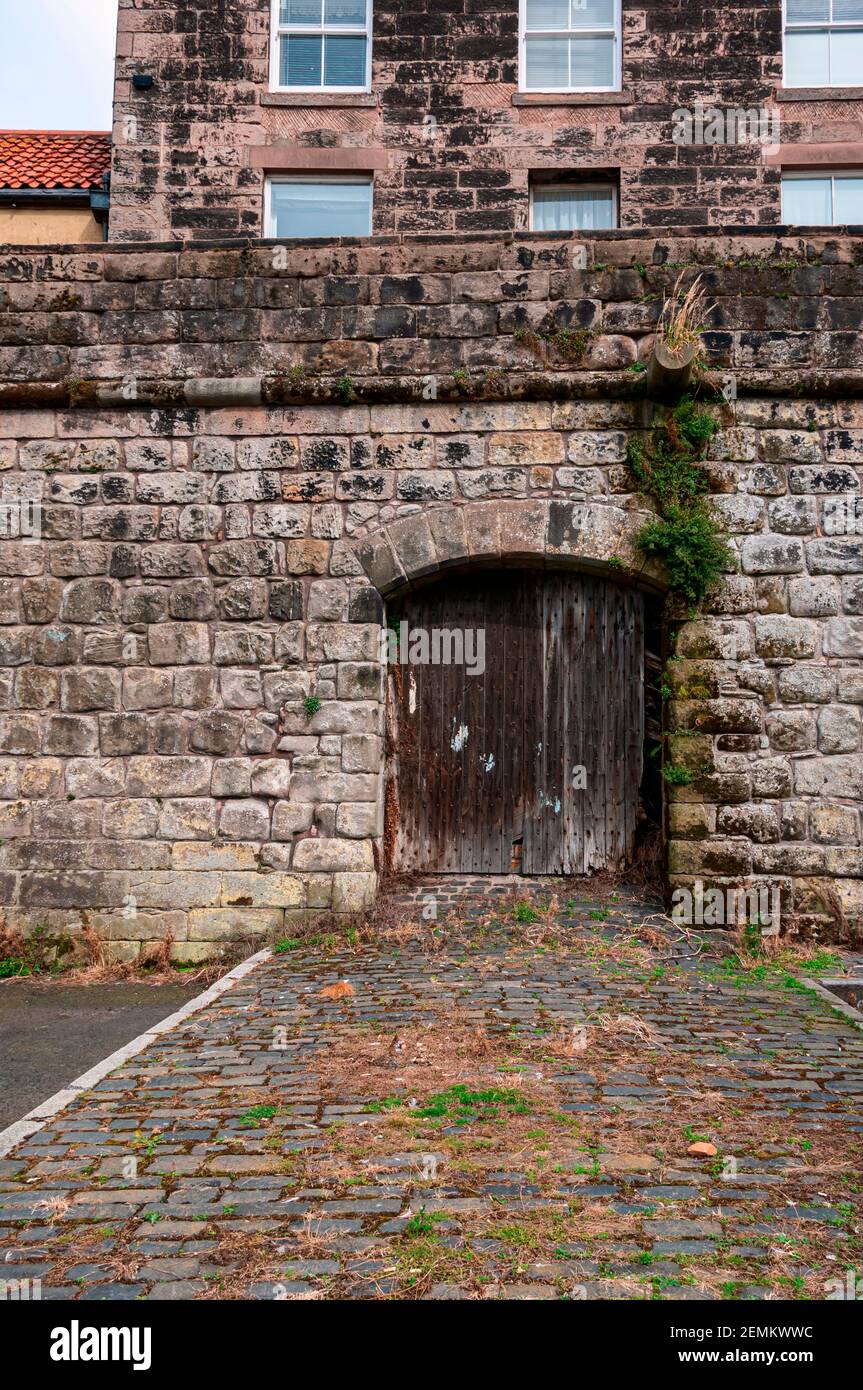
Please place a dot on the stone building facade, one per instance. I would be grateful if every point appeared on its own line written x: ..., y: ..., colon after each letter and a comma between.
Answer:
x: 445, y: 129
x: 240, y: 457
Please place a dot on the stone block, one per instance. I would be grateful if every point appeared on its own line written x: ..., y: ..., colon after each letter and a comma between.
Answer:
x: 358, y: 820
x: 353, y: 892
x: 292, y: 818
x: 90, y: 688
x: 333, y: 856
x: 179, y: 644
x: 262, y: 890
x: 844, y: 637
x: 778, y: 638
x: 813, y: 598
x: 168, y: 776
x: 839, y: 729
x: 772, y: 555
x: 187, y: 818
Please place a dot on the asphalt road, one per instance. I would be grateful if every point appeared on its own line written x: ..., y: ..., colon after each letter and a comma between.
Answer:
x: 51, y: 1033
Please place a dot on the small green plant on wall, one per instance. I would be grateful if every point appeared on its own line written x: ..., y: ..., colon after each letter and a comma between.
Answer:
x: 685, y: 535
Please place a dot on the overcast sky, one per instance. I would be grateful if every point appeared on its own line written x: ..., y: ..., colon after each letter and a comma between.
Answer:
x: 56, y: 64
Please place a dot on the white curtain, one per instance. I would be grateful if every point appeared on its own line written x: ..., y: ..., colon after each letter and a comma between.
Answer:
x: 570, y: 210
x: 806, y: 202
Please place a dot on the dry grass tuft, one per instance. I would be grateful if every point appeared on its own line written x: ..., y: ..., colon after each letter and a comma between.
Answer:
x: 681, y: 321
x: 84, y: 958
x: 444, y: 1052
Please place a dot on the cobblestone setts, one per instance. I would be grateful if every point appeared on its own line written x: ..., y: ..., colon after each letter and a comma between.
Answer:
x: 223, y: 1201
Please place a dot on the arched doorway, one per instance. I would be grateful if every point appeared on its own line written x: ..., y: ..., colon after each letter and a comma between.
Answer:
x: 516, y: 722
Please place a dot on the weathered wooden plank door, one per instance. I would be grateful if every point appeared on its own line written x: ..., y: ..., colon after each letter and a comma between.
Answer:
x: 536, y: 761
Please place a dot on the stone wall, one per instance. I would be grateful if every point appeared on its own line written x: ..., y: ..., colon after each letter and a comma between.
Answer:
x: 457, y: 143
x: 220, y: 530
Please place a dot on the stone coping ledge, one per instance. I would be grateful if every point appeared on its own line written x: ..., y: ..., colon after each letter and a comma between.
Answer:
x: 776, y: 231
x: 491, y: 385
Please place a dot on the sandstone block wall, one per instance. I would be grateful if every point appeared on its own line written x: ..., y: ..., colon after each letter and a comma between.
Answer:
x: 205, y: 568
x: 459, y: 144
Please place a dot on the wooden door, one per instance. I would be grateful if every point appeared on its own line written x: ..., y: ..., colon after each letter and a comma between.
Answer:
x: 535, y: 762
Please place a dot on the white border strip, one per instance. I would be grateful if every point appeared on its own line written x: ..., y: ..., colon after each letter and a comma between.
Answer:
x: 38, y: 1118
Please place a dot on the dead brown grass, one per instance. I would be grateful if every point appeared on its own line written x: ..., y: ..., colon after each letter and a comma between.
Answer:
x: 85, y: 959
x: 681, y: 319
x: 445, y: 1050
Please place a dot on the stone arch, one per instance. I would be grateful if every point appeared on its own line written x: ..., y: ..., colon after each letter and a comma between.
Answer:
x: 418, y: 551
x: 593, y: 535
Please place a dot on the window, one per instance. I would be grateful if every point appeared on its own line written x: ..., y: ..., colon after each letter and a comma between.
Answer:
x: 318, y: 207
x: 570, y: 45
x: 572, y: 207
x: 321, y: 46
x: 822, y: 200
x: 823, y: 43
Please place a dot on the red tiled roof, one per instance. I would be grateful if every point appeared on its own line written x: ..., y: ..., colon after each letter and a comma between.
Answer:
x: 53, y: 158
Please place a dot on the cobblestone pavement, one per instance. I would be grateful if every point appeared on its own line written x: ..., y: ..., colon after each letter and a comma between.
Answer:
x: 502, y: 1107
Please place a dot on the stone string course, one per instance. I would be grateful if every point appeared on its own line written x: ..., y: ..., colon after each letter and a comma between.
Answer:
x: 278, y: 320
x: 202, y: 571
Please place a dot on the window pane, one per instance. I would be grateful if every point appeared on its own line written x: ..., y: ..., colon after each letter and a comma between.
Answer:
x: 847, y: 9
x: 344, y: 62
x: 807, y: 61
x: 345, y: 12
x: 321, y: 209
x: 593, y: 62
x: 806, y: 202
x: 848, y: 194
x: 301, y: 12
x: 547, y: 63
x: 572, y: 209
x: 593, y: 14
x: 807, y: 11
x: 547, y: 14
x: 301, y: 61
x: 846, y: 58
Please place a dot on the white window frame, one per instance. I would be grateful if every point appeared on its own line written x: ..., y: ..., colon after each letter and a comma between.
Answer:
x: 271, y: 179
x: 556, y: 186
x: 819, y: 173
x: 277, y: 30
x: 813, y: 26
x: 616, y: 30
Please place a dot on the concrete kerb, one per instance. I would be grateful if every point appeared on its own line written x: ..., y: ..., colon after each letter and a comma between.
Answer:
x: 839, y: 1005
x: 37, y: 1118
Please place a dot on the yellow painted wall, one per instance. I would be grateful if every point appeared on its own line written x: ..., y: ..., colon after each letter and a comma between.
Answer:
x: 43, y: 226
